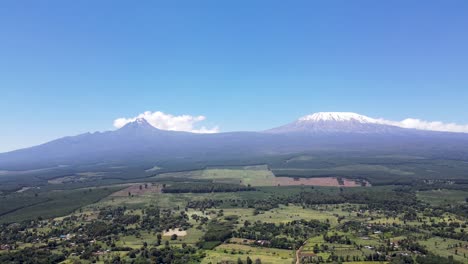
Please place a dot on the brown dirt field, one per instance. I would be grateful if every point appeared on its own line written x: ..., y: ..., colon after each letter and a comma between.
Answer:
x: 236, y: 240
x: 135, y: 190
x: 322, y: 181
x: 175, y: 231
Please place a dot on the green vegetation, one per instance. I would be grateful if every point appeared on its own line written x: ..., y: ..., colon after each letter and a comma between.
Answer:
x: 239, y: 214
x: 34, y: 204
x: 258, y: 175
x: 440, y: 197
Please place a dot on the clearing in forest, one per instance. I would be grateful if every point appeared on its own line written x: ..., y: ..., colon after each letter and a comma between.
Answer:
x: 319, y: 181
x: 259, y: 175
x: 138, y: 190
x: 175, y: 231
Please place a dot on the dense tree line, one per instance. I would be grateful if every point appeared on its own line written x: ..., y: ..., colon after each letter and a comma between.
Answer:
x: 31, y: 256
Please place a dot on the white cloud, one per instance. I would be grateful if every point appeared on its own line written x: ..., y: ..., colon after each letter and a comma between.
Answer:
x: 425, y: 125
x: 169, y: 122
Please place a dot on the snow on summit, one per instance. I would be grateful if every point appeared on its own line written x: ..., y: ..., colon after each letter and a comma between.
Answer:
x: 337, y: 116
x: 355, y: 123
x: 336, y: 122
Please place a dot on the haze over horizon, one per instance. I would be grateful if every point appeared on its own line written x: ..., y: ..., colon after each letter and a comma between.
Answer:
x: 71, y: 68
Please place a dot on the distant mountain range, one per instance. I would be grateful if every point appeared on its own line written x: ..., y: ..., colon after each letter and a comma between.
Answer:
x: 330, y: 131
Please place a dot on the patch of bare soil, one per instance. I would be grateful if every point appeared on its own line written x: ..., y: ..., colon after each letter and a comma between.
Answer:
x: 320, y: 181
x: 176, y: 231
x: 139, y: 189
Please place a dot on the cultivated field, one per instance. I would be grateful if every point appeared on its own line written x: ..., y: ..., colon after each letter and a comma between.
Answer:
x: 138, y: 189
x: 318, y: 181
x: 259, y: 175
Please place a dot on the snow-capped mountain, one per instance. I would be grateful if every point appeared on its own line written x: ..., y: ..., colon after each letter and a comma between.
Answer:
x: 336, y: 122
x: 139, y: 142
x: 337, y: 116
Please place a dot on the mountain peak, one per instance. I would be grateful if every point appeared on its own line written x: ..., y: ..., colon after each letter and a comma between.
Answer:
x: 336, y: 117
x: 139, y: 123
x: 336, y: 122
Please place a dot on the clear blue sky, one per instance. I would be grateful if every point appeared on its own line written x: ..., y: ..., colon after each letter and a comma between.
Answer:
x: 68, y: 67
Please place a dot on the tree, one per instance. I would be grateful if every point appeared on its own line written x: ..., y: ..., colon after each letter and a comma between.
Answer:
x: 316, y: 249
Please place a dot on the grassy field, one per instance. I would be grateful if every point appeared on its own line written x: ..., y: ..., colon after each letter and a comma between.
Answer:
x: 347, y: 169
x: 231, y: 252
x: 440, y: 197
x: 258, y: 175
x: 285, y: 214
x: 446, y: 247
x: 173, y: 200
x: 253, y: 175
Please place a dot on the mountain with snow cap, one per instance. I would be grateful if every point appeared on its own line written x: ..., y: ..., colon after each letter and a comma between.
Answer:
x: 336, y: 122
x: 138, y: 142
x: 337, y: 116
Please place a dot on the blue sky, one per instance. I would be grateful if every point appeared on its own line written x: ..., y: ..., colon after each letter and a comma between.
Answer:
x: 68, y: 67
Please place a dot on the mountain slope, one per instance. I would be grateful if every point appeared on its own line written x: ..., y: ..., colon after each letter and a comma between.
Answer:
x: 135, y: 141
x: 139, y: 142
